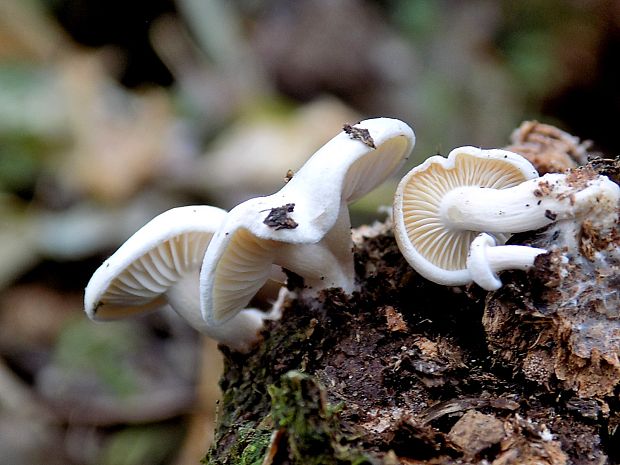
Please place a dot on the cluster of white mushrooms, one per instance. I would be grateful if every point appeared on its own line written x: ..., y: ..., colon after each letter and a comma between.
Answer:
x: 449, y: 215
x: 208, y: 264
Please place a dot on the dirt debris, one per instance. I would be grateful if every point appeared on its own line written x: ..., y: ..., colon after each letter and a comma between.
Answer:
x: 278, y: 218
x: 475, y: 432
x: 361, y: 134
x: 394, y: 320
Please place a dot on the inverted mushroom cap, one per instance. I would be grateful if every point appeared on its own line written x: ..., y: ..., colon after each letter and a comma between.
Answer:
x: 340, y: 172
x: 137, y: 276
x: 304, y: 227
x: 434, y: 249
x: 160, y: 265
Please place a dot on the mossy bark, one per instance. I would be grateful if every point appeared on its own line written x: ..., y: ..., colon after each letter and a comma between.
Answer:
x: 406, y: 371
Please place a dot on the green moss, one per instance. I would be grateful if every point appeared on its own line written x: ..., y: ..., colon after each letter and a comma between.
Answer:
x: 254, y: 452
x: 252, y: 446
x: 261, y: 397
x: 249, y: 448
x: 311, y: 426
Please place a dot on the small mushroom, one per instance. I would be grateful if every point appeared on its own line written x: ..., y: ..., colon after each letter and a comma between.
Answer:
x: 441, y: 205
x: 424, y: 230
x: 486, y: 259
x: 160, y: 265
x: 305, y: 227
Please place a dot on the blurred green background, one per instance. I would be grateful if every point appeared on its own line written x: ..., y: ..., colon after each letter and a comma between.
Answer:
x: 113, y: 111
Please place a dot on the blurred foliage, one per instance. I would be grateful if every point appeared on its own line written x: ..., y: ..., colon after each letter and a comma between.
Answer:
x: 20, y: 163
x: 417, y: 19
x: 83, y: 347
x: 30, y: 125
x: 113, y: 111
x: 140, y: 445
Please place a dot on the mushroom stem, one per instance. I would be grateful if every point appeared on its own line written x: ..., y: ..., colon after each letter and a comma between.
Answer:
x: 512, y: 257
x: 531, y: 205
x: 327, y: 263
x: 317, y: 265
x: 238, y: 333
x: 486, y: 259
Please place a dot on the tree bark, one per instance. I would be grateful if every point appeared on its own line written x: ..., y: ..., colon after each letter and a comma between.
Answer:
x: 407, y: 371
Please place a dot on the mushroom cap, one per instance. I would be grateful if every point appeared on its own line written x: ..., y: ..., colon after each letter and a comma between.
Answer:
x: 350, y: 168
x: 138, y: 275
x: 238, y: 261
x: 340, y: 172
x: 436, y: 252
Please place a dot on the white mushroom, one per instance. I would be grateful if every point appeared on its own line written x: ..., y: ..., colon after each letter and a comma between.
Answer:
x: 431, y: 244
x: 305, y: 227
x: 443, y: 204
x: 160, y: 265
x: 486, y: 259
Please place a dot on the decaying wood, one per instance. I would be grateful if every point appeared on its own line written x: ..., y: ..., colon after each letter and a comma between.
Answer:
x: 550, y: 149
x: 406, y: 371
